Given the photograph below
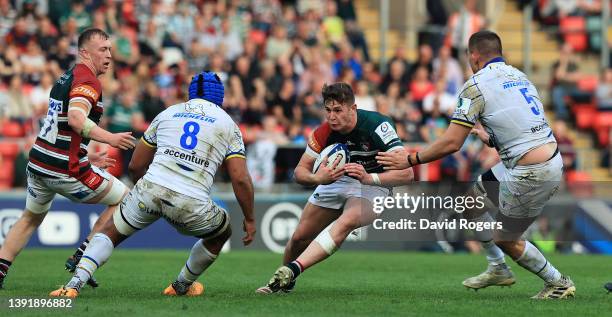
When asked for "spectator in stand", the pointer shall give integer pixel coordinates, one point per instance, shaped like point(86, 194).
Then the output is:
point(78, 13)
point(446, 68)
point(289, 21)
point(357, 39)
point(151, 102)
point(311, 110)
point(265, 14)
point(371, 76)
point(9, 63)
point(284, 106)
point(278, 44)
point(603, 93)
point(461, 25)
point(400, 55)
point(439, 99)
point(333, 25)
point(241, 81)
point(181, 27)
point(34, 63)
point(255, 112)
point(230, 41)
point(564, 81)
point(420, 86)
point(126, 52)
point(19, 35)
point(346, 10)
point(124, 113)
point(62, 59)
point(424, 59)
point(565, 144)
point(19, 107)
point(396, 74)
point(47, 35)
point(363, 98)
point(411, 124)
point(396, 102)
point(437, 19)
point(8, 15)
point(39, 97)
point(262, 152)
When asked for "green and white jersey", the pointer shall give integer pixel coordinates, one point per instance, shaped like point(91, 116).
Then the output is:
point(373, 133)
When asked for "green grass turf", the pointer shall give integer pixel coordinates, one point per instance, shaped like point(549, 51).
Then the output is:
point(349, 283)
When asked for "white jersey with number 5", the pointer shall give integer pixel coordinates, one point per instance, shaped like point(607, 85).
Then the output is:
point(509, 108)
point(192, 139)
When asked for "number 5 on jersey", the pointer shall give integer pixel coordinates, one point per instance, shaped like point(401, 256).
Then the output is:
point(189, 138)
point(529, 100)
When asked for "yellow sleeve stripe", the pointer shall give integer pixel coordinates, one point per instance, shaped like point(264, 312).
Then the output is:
point(235, 155)
point(147, 143)
point(463, 123)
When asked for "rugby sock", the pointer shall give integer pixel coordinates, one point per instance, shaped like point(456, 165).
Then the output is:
point(79, 252)
point(199, 260)
point(96, 254)
point(296, 267)
point(4, 267)
point(495, 256)
point(533, 260)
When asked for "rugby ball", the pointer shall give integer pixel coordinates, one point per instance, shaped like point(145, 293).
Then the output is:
point(333, 152)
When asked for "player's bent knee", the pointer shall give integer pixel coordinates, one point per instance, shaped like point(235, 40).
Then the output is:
point(324, 239)
point(121, 224)
point(37, 208)
point(33, 218)
point(115, 195)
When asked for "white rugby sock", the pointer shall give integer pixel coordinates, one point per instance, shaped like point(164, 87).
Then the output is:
point(495, 255)
point(199, 260)
point(97, 253)
point(533, 260)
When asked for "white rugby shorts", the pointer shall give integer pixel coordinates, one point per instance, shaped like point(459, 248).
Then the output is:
point(148, 201)
point(41, 190)
point(334, 195)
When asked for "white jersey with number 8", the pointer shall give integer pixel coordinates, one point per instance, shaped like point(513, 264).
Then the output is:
point(192, 139)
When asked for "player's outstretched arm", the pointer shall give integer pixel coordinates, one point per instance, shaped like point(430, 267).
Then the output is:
point(243, 189)
point(389, 178)
point(141, 159)
point(78, 121)
point(450, 142)
point(324, 175)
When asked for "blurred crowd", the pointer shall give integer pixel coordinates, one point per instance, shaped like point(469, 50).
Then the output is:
point(273, 56)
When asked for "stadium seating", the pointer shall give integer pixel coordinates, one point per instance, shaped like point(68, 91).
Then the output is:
point(12, 129)
point(573, 29)
point(8, 153)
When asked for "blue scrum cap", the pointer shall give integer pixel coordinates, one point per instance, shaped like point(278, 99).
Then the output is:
point(208, 86)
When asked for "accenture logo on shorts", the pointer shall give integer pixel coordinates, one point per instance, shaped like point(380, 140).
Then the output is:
point(278, 224)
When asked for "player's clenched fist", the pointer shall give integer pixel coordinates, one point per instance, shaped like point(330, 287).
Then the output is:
point(123, 141)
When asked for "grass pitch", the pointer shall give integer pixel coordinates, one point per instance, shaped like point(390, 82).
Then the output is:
point(349, 283)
